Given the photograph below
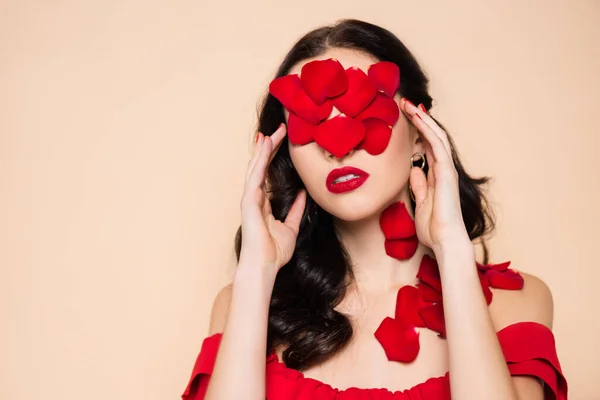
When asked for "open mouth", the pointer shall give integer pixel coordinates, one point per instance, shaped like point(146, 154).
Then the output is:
point(345, 179)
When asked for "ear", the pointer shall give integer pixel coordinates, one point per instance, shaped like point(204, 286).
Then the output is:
point(417, 140)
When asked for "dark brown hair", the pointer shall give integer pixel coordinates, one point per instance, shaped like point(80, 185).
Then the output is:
point(302, 317)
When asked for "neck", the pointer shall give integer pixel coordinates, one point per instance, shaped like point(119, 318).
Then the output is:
point(374, 270)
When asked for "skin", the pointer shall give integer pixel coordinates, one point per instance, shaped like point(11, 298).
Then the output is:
point(471, 351)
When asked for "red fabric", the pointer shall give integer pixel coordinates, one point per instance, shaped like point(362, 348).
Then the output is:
point(528, 347)
point(196, 388)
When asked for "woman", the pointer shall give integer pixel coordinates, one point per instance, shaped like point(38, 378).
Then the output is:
point(356, 212)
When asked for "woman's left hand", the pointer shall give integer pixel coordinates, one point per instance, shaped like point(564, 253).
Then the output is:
point(438, 215)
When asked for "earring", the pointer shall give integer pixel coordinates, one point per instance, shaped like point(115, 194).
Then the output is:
point(422, 159)
point(412, 165)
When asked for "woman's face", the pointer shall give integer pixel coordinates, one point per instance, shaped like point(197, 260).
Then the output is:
point(357, 198)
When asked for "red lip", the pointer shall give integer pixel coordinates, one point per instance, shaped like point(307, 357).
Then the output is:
point(346, 186)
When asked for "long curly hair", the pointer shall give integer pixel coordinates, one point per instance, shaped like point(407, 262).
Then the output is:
point(302, 317)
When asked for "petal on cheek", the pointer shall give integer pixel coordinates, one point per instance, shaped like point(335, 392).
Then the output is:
point(285, 89)
point(304, 107)
point(339, 135)
point(322, 79)
point(383, 108)
point(300, 132)
point(360, 93)
point(386, 76)
point(377, 136)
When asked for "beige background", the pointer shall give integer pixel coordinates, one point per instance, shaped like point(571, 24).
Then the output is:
point(124, 132)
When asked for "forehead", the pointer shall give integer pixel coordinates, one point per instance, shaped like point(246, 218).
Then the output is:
point(348, 58)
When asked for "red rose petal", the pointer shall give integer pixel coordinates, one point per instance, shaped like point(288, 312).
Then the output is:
point(509, 279)
point(482, 267)
point(285, 88)
point(377, 136)
point(386, 76)
point(360, 93)
point(383, 108)
point(396, 222)
point(323, 78)
point(304, 107)
point(299, 131)
point(500, 267)
point(401, 249)
point(339, 135)
point(399, 341)
point(433, 316)
point(429, 294)
point(485, 286)
point(407, 305)
point(429, 273)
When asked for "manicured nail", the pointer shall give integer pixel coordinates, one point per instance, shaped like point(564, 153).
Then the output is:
point(422, 107)
point(417, 115)
point(410, 102)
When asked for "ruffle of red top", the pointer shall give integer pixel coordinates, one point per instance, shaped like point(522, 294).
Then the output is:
point(529, 349)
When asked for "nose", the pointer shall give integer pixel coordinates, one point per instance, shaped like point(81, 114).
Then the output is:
point(331, 157)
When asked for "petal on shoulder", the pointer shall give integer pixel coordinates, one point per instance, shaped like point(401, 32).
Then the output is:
point(533, 303)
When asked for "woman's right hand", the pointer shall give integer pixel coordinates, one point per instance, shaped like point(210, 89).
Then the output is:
point(266, 241)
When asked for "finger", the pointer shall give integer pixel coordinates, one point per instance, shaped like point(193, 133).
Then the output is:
point(431, 178)
point(255, 153)
point(418, 184)
point(266, 207)
point(257, 175)
point(436, 128)
point(292, 220)
point(277, 138)
point(413, 113)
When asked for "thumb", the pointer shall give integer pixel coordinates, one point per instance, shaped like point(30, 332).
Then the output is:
point(418, 183)
point(296, 211)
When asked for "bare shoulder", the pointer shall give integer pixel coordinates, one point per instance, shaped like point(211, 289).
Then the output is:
point(220, 309)
point(533, 303)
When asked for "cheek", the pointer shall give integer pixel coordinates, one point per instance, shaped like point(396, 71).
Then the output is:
point(306, 162)
point(401, 142)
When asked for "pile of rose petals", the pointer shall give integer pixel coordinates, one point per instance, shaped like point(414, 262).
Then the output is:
point(365, 101)
point(422, 307)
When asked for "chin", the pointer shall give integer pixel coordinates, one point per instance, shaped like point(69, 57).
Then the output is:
point(353, 207)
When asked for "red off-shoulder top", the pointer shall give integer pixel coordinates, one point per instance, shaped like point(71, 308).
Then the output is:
point(528, 347)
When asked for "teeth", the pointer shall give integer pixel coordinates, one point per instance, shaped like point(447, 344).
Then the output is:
point(346, 178)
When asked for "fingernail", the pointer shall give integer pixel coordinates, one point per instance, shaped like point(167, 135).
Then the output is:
point(422, 107)
point(417, 115)
point(410, 102)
